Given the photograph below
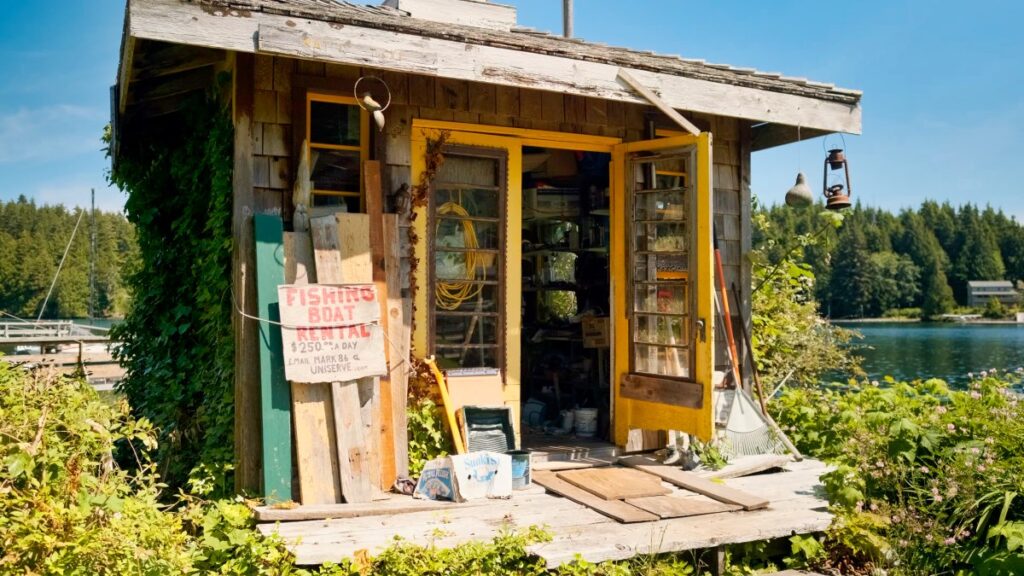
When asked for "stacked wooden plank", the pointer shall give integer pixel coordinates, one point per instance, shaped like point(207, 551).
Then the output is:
point(350, 439)
point(637, 493)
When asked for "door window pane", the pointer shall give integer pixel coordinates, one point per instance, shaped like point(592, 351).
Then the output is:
point(660, 238)
point(467, 237)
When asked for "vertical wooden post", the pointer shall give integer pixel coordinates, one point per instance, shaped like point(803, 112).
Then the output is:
point(375, 210)
point(247, 404)
point(275, 398)
point(398, 342)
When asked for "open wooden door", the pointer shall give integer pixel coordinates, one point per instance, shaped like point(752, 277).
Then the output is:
point(662, 286)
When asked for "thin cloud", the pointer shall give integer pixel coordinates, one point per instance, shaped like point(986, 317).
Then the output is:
point(49, 132)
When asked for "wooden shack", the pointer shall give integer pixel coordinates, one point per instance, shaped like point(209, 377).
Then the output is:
point(582, 184)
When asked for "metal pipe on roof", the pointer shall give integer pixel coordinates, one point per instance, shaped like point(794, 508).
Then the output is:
point(567, 18)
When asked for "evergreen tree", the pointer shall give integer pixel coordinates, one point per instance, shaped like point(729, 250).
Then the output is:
point(851, 283)
point(937, 296)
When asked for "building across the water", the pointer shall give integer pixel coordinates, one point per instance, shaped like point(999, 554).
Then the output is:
point(979, 292)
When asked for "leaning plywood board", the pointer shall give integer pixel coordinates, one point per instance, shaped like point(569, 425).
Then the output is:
point(695, 483)
point(377, 250)
point(615, 509)
point(677, 507)
point(312, 410)
point(357, 268)
point(350, 438)
point(615, 483)
point(275, 398)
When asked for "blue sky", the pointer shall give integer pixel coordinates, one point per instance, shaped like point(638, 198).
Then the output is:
point(943, 106)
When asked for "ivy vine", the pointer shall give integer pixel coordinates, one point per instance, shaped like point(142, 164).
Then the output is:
point(178, 346)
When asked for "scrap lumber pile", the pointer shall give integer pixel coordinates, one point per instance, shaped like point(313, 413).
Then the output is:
point(638, 493)
point(348, 438)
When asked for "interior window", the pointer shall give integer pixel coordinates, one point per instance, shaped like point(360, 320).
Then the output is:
point(338, 139)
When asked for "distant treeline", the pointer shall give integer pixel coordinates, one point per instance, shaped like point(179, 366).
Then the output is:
point(32, 240)
point(878, 261)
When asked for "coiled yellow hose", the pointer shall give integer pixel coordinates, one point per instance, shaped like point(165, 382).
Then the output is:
point(449, 295)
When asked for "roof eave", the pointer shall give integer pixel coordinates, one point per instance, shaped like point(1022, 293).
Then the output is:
point(285, 35)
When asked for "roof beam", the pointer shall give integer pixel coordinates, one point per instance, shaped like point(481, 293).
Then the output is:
point(658, 102)
point(188, 23)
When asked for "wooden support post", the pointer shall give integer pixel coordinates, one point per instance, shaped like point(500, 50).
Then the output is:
point(275, 399)
point(247, 396)
point(660, 104)
point(398, 342)
point(375, 211)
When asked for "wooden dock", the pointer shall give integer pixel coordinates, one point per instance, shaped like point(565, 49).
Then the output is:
point(797, 506)
point(66, 347)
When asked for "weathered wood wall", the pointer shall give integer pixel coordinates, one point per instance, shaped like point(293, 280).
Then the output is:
point(278, 87)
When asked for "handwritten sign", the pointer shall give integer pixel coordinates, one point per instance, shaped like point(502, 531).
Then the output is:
point(331, 333)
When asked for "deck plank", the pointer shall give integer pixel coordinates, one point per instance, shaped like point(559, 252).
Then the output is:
point(696, 483)
point(612, 508)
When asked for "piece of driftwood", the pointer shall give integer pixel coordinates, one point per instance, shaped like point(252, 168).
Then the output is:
point(615, 509)
point(615, 483)
point(695, 483)
point(679, 507)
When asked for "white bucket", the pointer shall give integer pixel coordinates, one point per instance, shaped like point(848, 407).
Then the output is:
point(586, 422)
point(567, 418)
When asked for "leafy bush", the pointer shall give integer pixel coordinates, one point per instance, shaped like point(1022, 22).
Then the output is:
point(791, 341)
point(178, 346)
point(428, 437)
point(926, 478)
point(65, 506)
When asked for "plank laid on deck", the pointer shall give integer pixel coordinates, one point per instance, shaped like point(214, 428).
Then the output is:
point(676, 507)
point(615, 509)
point(398, 505)
point(615, 483)
point(695, 483)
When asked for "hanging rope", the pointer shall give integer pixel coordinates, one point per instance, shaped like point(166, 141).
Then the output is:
point(451, 294)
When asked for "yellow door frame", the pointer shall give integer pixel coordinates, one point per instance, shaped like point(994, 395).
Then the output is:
point(632, 413)
point(511, 139)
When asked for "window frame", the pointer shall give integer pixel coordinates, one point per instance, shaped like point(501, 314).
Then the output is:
point(363, 148)
point(501, 157)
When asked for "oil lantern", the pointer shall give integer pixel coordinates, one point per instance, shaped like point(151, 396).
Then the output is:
point(836, 180)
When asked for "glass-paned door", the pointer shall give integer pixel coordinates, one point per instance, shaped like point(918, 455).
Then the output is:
point(662, 285)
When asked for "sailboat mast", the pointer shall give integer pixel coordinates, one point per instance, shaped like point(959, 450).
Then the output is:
point(92, 257)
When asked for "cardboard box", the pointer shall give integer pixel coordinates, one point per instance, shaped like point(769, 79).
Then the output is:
point(466, 477)
point(596, 332)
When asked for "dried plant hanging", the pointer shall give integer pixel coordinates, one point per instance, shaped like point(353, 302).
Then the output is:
point(434, 159)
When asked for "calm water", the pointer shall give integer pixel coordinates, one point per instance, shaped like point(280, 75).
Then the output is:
point(908, 351)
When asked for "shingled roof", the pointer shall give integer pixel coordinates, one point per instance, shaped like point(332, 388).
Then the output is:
point(530, 40)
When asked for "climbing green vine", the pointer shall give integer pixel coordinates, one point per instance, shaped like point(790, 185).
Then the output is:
point(177, 339)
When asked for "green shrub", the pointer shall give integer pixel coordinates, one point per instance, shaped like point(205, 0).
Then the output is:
point(65, 506)
point(926, 478)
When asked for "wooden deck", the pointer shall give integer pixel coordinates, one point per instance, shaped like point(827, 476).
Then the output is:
point(797, 506)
